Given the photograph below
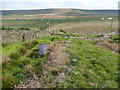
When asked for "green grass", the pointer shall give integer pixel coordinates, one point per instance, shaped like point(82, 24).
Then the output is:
point(20, 68)
point(7, 50)
point(116, 38)
point(33, 24)
point(93, 67)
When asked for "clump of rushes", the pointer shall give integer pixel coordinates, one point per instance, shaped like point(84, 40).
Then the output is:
point(28, 44)
point(9, 81)
point(5, 64)
point(24, 50)
point(26, 61)
point(34, 55)
point(15, 56)
point(34, 42)
point(4, 44)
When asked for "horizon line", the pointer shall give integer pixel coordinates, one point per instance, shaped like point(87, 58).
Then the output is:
point(58, 8)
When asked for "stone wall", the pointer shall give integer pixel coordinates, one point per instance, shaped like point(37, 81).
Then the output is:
point(9, 36)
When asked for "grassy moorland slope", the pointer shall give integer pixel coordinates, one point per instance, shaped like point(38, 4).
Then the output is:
point(88, 27)
point(83, 24)
point(88, 65)
point(71, 20)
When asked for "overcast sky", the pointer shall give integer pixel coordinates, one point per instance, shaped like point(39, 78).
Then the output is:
point(44, 4)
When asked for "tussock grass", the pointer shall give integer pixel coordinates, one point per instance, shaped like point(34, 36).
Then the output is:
point(24, 50)
point(15, 56)
point(5, 44)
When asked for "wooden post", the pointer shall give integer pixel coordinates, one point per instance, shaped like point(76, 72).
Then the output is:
point(111, 24)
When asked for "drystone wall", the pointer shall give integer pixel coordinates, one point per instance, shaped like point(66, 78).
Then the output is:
point(9, 36)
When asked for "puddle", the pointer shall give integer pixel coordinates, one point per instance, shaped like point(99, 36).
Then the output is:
point(42, 49)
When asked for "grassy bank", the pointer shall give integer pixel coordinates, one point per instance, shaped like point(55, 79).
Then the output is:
point(91, 66)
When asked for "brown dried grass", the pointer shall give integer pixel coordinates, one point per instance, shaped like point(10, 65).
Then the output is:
point(110, 44)
point(57, 58)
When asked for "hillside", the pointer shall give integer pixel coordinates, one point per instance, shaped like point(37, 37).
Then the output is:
point(60, 12)
point(69, 63)
point(70, 20)
point(59, 48)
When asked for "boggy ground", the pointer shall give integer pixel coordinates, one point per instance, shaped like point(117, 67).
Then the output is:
point(51, 70)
